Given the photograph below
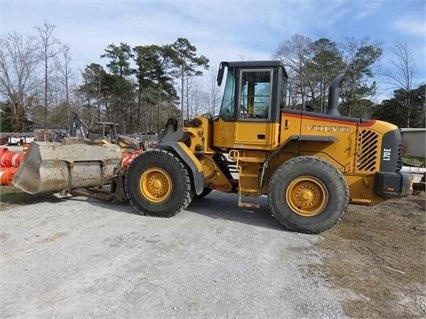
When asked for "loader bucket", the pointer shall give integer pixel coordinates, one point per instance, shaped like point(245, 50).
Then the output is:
point(51, 166)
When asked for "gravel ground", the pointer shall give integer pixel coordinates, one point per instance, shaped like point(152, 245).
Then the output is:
point(80, 258)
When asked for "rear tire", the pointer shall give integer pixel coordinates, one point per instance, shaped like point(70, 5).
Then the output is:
point(307, 194)
point(158, 184)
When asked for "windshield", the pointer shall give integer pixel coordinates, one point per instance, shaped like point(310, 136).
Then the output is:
point(227, 109)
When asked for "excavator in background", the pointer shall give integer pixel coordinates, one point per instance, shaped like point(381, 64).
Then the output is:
point(309, 165)
point(108, 134)
point(76, 125)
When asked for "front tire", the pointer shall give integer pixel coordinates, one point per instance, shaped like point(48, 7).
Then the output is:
point(307, 194)
point(158, 184)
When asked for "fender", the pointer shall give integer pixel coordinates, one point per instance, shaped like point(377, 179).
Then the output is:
point(190, 160)
point(315, 138)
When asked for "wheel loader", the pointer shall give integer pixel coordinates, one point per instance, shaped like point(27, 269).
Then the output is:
point(310, 166)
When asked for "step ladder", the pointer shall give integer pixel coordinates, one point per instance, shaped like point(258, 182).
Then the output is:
point(249, 201)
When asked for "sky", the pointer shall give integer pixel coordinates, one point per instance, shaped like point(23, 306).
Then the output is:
point(221, 30)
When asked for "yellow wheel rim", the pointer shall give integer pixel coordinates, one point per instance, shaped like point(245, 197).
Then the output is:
point(156, 184)
point(307, 196)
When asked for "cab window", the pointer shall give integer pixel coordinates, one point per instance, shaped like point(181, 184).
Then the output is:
point(255, 94)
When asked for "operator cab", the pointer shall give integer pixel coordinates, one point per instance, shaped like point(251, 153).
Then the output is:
point(253, 97)
point(254, 90)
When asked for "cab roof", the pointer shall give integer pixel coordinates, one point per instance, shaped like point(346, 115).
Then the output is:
point(255, 64)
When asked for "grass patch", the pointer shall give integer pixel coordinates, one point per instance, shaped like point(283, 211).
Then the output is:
point(11, 196)
point(414, 161)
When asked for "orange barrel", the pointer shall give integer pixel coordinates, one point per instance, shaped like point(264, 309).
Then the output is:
point(6, 175)
point(17, 159)
point(9, 159)
point(126, 158)
point(6, 158)
point(3, 150)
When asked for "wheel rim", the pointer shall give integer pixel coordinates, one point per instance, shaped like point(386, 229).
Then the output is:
point(307, 196)
point(156, 184)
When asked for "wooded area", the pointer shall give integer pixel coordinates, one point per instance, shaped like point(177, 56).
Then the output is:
point(140, 87)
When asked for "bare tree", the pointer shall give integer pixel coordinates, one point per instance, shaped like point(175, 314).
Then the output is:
point(195, 98)
point(294, 54)
point(402, 76)
point(47, 52)
point(213, 93)
point(404, 66)
point(360, 57)
point(62, 64)
point(18, 65)
point(188, 87)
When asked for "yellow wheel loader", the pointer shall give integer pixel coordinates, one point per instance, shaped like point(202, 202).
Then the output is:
point(309, 165)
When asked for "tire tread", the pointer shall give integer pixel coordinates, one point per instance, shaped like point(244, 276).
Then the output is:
point(182, 171)
point(316, 161)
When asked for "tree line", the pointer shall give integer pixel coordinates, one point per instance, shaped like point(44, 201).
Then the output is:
point(136, 89)
point(140, 87)
point(312, 65)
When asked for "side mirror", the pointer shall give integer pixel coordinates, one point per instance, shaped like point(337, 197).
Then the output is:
point(221, 71)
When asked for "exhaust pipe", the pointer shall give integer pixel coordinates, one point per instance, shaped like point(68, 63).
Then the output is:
point(333, 95)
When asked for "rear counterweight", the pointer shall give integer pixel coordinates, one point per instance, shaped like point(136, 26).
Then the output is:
point(389, 181)
point(390, 160)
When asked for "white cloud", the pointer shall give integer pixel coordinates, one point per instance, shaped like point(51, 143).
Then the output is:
point(220, 30)
point(411, 27)
point(368, 8)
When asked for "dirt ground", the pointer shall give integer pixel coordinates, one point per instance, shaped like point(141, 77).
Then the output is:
point(375, 256)
point(378, 255)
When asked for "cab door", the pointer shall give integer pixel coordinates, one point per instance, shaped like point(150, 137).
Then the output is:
point(254, 126)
